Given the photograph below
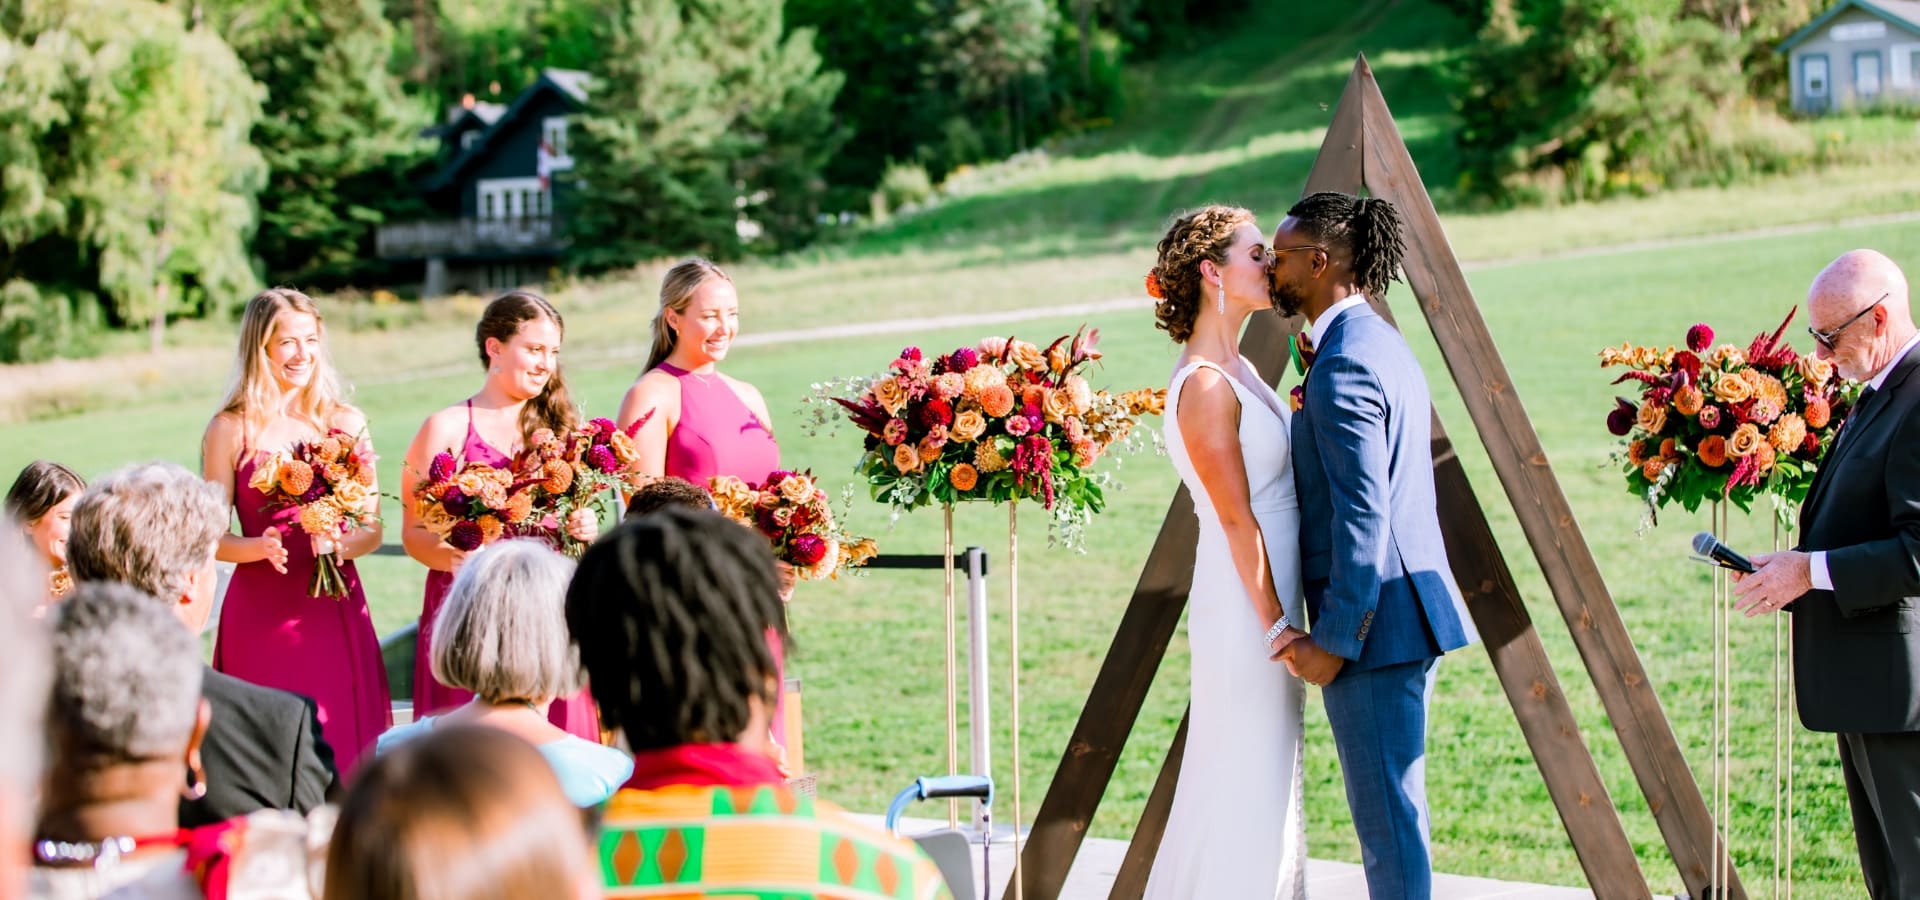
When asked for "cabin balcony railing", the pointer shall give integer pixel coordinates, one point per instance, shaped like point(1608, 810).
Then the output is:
point(470, 237)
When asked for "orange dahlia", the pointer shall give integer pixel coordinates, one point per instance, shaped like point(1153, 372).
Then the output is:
point(1713, 451)
point(963, 477)
point(997, 401)
point(1688, 400)
point(296, 477)
point(1819, 413)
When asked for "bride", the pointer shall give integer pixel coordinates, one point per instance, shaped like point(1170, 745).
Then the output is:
point(1236, 828)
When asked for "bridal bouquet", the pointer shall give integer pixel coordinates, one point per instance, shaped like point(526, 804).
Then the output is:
point(791, 512)
point(328, 480)
point(1002, 420)
point(473, 504)
point(1726, 422)
point(579, 469)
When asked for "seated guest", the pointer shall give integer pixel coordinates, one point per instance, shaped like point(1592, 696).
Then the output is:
point(469, 812)
point(502, 634)
point(154, 527)
point(23, 699)
point(124, 727)
point(665, 491)
point(41, 500)
point(671, 613)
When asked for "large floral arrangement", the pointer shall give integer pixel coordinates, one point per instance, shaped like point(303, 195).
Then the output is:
point(1002, 420)
point(328, 480)
point(1725, 423)
point(580, 469)
point(469, 504)
point(791, 512)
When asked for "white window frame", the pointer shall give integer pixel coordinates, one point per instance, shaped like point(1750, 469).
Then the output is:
point(1900, 68)
point(1848, 32)
point(1879, 76)
point(512, 198)
point(1806, 76)
point(553, 132)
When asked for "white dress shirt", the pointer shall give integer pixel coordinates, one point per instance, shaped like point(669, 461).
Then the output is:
point(1318, 327)
point(1817, 563)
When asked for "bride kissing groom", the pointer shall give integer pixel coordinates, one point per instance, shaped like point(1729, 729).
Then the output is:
point(1319, 559)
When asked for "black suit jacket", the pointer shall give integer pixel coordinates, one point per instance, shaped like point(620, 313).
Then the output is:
point(263, 751)
point(1857, 647)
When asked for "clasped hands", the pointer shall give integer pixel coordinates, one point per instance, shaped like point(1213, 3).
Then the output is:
point(1778, 579)
point(1304, 658)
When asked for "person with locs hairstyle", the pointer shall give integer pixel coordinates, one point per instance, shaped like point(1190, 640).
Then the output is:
point(273, 631)
point(1380, 594)
point(518, 339)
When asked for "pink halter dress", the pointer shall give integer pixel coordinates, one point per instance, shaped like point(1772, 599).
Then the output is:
point(575, 714)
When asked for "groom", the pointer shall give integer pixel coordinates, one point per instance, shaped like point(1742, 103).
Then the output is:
point(1380, 596)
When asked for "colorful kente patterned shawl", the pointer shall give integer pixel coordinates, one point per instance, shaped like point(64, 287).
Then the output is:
point(753, 842)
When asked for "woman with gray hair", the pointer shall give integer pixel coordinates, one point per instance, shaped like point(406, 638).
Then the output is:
point(125, 723)
point(502, 634)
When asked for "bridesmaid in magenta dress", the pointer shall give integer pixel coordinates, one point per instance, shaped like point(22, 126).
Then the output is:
point(519, 342)
point(704, 423)
point(272, 632)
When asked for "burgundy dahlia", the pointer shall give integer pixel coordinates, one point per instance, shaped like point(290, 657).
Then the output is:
point(807, 550)
point(1699, 338)
point(603, 429)
point(965, 358)
point(1810, 445)
point(1619, 422)
point(775, 477)
point(456, 502)
point(911, 354)
point(466, 535)
point(1685, 361)
point(934, 412)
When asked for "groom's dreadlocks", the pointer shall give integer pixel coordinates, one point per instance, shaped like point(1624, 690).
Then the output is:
point(1367, 228)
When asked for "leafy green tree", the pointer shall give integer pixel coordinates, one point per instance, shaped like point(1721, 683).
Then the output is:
point(335, 129)
point(699, 115)
point(128, 173)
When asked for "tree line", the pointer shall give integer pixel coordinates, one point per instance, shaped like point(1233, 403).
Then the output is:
point(164, 159)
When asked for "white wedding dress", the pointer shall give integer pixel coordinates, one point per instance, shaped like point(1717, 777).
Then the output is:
point(1236, 830)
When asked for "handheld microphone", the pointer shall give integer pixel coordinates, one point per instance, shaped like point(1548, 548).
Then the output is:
point(1722, 555)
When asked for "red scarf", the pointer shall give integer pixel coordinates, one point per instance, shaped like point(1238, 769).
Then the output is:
point(702, 765)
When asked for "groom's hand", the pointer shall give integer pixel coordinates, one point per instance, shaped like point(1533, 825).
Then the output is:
point(1311, 664)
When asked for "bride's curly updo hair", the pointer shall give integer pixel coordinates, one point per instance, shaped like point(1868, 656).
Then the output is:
point(1205, 233)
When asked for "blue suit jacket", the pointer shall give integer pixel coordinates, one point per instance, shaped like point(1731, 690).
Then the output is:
point(1379, 589)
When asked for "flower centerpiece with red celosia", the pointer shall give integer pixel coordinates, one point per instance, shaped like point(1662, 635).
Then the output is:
point(329, 480)
point(791, 512)
point(1725, 423)
point(1001, 421)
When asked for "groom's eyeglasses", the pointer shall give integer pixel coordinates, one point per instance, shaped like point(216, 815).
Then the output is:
point(1826, 338)
point(1273, 255)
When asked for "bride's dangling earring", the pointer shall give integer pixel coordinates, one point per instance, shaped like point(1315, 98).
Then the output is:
point(1221, 304)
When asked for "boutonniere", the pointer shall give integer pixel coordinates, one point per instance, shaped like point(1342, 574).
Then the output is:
point(1300, 350)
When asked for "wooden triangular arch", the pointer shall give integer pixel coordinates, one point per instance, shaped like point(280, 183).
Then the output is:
point(1363, 150)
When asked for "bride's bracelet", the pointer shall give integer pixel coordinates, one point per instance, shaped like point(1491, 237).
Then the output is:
point(1280, 625)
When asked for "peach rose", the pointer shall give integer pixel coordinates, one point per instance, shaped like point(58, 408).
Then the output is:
point(266, 473)
point(796, 488)
point(1763, 457)
point(1713, 451)
point(1730, 387)
point(1819, 413)
point(1746, 439)
point(1652, 417)
point(1080, 393)
point(906, 458)
point(1057, 406)
point(963, 477)
point(1787, 433)
point(891, 396)
point(1688, 400)
point(351, 494)
point(1816, 371)
point(1727, 355)
point(1026, 356)
point(969, 425)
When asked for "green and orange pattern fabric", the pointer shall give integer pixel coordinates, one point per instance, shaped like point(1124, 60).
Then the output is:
point(754, 842)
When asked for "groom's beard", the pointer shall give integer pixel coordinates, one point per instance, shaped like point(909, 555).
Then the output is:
point(1285, 298)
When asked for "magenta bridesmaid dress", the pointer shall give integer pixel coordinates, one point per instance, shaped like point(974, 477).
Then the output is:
point(719, 435)
point(575, 714)
point(273, 633)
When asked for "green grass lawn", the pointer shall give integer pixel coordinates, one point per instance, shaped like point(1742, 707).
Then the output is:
point(869, 645)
